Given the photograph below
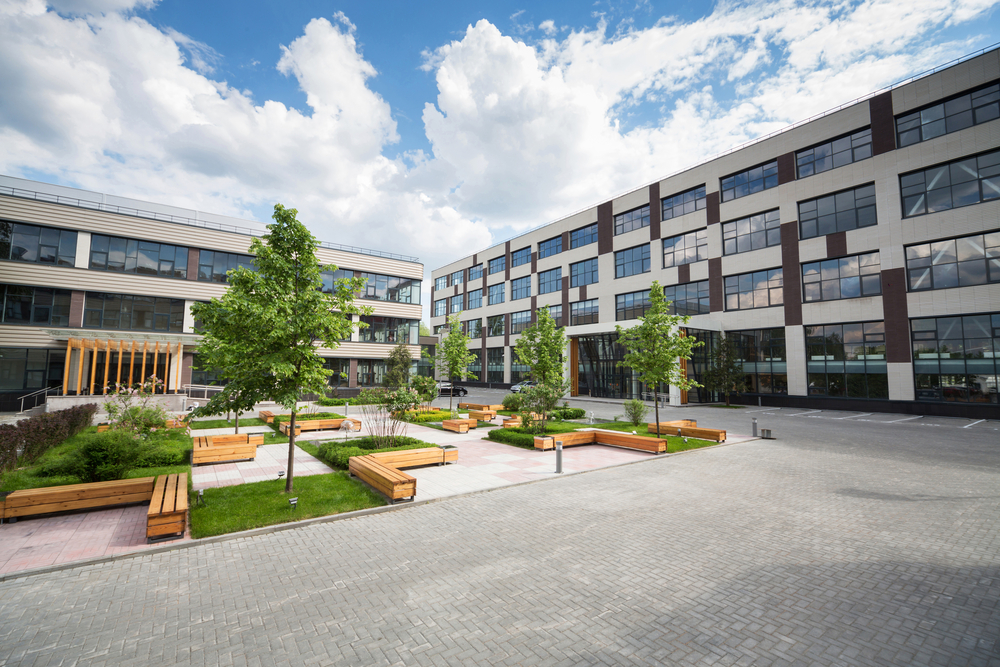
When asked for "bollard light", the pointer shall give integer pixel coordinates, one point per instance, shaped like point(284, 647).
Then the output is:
point(754, 427)
point(201, 496)
point(559, 456)
point(293, 502)
point(281, 473)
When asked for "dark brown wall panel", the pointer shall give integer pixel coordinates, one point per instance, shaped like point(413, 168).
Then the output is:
point(565, 299)
point(786, 168)
point(193, 256)
point(716, 297)
point(534, 262)
point(883, 123)
point(836, 244)
point(605, 229)
point(187, 365)
point(455, 289)
point(896, 315)
point(506, 263)
point(655, 209)
point(565, 242)
point(352, 374)
point(583, 293)
point(534, 309)
point(76, 301)
point(482, 361)
point(683, 274)
point(506, 330)
point(790, 266)
point(712, 208)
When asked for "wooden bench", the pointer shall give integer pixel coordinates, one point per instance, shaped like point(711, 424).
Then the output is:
point(596, 437)
point(381, 469)
point(411, 458)
point(459, 425)
point(483, 415)
point(318, 425)
point(28, 502)
point(168, 506)
point(515, 420)
point(687, 428)
point(266, 416)
point(479, 406)
point(221, 448)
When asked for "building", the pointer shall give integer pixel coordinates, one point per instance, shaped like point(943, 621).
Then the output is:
point(97, 289)
point(853, 258)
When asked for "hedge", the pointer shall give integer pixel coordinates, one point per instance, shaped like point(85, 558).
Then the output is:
point(512, 436)
point(337, 454)
point(306, 416)
point(36, 435)
point(569, 413)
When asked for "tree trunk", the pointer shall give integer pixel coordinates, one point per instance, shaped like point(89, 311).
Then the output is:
point(656, 407)
point(451, 397)
point(291, 454)
point(237, 422)
point(727, 399)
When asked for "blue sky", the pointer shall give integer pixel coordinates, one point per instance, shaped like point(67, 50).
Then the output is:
point(432, 129)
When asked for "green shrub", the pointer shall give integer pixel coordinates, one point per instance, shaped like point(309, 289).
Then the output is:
point(635, 411)
point(107, 456)
point(337, 453)
point(569, 413)
point(305, 416)
point(513, 402)
point(330, 402)
point(421, 417)
point(512, 436)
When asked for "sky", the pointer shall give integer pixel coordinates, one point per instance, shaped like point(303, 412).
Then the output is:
point(432, 129)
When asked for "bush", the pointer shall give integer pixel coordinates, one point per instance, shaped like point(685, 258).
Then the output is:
point(337, 454)
point(569, 413)
point(330, 402)
point(513, 402)
point(107, 456)
point(436, 416)
point(28, 439)
point(306, 416)
point(635, 411)
point(512, 436)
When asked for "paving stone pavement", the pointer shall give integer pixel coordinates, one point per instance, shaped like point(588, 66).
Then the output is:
point(761, 553)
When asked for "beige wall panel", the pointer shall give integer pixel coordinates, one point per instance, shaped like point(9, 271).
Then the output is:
point(757, 260)
point(795, 354)
point(955, 301)
point(684, 224)
point(900, 377)
point(105, 281)
point(370, 263)
point(82, 250)
point(21, 336)
point(813, 249)
point(366, 351)
point(751, 204)
point(699, 271)
point(627, 202)
point(865, 309)
point(392, 309)
point(947, 82)
point(636, 237)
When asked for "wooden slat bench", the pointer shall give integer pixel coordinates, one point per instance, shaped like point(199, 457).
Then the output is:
point(483, 415)
point(221, 448)
point(266, 416)
point(596, 437)
point(318, 425)
point(459, 425)
point(411, 458)
point(28, 502)
point(479, 406)
point(381, 469)
point(168, 506)
point(688, 428)
point(515, 420)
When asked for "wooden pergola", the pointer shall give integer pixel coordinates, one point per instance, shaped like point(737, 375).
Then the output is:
point(123, 347)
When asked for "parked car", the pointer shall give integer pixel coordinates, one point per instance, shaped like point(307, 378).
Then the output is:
point(445, 389)
point(521, 386)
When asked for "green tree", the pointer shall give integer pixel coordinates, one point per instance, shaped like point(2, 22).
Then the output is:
point(262, 334)
point(397, 367)
point(426, 387)
point(425, 330)
point(726, 374)
point(655, 346)
point(540, 347)
point(453, 356)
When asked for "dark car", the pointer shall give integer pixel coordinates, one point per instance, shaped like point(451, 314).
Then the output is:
point(445, 389)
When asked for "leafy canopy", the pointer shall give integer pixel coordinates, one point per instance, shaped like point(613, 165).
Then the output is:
point(453, 355)
point(540, 347)
point(726, 374)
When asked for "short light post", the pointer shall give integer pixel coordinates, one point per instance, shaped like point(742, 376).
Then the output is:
point(558, 457)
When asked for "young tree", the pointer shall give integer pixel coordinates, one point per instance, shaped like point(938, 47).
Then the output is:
point(426, 388)
point(655, 347)
point(397, 367)
point(453, 357)
point(425, 330)
point(262, 334)
point(726, 374)
point(540, 347)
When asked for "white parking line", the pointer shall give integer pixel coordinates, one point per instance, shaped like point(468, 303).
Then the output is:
point(905, 420)
point(762, 410)
point(974, 423)
point(863, 414)
point(808, 412)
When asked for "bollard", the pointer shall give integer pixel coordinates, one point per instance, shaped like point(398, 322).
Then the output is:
point(755, 427)
point(558, 456)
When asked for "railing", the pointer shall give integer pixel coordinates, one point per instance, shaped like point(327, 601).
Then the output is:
point(34, 396)
point(203, 388)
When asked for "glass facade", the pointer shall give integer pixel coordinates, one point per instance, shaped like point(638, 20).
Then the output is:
point(494, 364)
point(583, 273)
point(113, 253)
point(474, 328)
point(213, 265)
point(751, 233)
point(631, 306)
point(599, 374)
point(371, 372)
point(583, 236)
point(38, 306)
point(379, 287)
point(963, 182)
point(24, 370)
point(756, 179)
point(685, 248)
point(630, 220)
point(837, 153)
point(518, 371)
point(476, 366)
point(31, 243)
point(969, 260)
point(762, 352)
point(844, 278)
point(683, 203)
point(958, 113)
point(760, 289)
point(955, 358)
point(839, 212)
point(689, 299)
point(495, 325)
point(847, 360)
point(134, 313)
point(391, 330)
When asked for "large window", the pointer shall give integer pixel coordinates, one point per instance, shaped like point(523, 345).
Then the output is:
point(520, 321)
point(844, 278)
point(371, 372)
point(839, 212)
point(958, 113)
point(455, 305)
point(684, 202)
point(759, 289)
point(847, 360)
point(518, 371)
point(583, 236)
point(40, 306)
point(475, 298)
point(583, 273)
point(632, 261)
point(519, 257)
point(550, 281)
point(685, 248)
point(751, 233)
point(960, 183)
point(476, 272)
point(496, 294)
point(970, 260)
point(474, 328)
point(520, 288)
point(494, 364)
point(762, 352)
point(113, 253)
point(631, 306)
point(440, 283)
point(213, 265)
point(494, 325)
point(456, 277)
point(756, 179)
point(689, 299)
point(135, 313)
point(392, 330)
point(28, 369)
point(955, 358)
point(557, 315)
point(440, 307)
point(476, 366)
point(30, 243)
point(583, 312)
point(634, 219)
point(498, 264)
point(377, 287)
point(837, 153)
point(550, 247)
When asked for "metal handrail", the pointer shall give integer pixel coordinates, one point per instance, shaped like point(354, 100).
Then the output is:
point(44, 390)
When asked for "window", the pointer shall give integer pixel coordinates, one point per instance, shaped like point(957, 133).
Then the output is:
point(952, 115)
point(371, 372)
point(689, 299)
point(377, 286)
point(496, 294)
point(955, 358)
point(953, 185)
point(475, 298)
point(456, 277)
point(970, 260)
point(440, 283)
point(390, 330)
point(759, 289)
point(494, 364)
point(632, 261)
point(583, 273)
point(475, 366)
point(837, 153)
point(498, 265)
point(455, 304)
point(631, 306)
point(762, 352)
point(748, 182)
point(550, 247)
point(520, 288)
point(494, 325)
point(519, 257)
point(550, 281)
point(634, 219)
point(583, 236)
point(473, 328)
point(844, 278)
point(685, 249)
point(683, 203)
point(30, 368)
point(847, 360)
point(113, 253)
point(476, 272)
point(520, 321)
point(752, 233)
point(213, 266)
point(518, 371)
point(44, 245)
point(40, 306)
point(583, 312)
point(557, 315)
point(441, 308)
point(135, 313)
point(839, 212)
point(440, 328)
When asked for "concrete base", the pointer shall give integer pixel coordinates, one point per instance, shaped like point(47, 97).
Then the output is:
point(170, 402)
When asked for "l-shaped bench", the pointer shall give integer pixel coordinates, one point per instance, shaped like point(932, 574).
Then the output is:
point(381, 470)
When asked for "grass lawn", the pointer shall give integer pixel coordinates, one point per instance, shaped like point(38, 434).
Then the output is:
point(304, 416)
point(225, 423)
point(276, 439)
point(233, 508)
point(674, 444)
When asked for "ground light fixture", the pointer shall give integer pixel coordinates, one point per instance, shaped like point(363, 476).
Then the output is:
point(293, 502)
point(281, 473)
point(201, 496)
